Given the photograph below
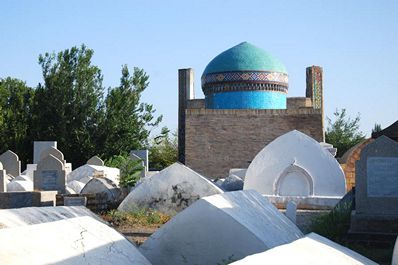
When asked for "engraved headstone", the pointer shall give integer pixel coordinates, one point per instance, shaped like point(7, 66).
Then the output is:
point(11, 163)
point(75, 201)
point(376, 196)
point(95, 161)
point(39, 147)
point(50, 175)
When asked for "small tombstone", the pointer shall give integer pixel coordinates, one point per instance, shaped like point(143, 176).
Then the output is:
point(291, 211)
point(11, 163)
point(3, 179)
point(376, 192)
point(75, 201)
point(134, 157)
point(142, 154)
point(39, 147)
point(50, 175)
point(54, 152)
point(95, 161)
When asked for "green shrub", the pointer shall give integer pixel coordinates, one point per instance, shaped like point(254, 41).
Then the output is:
point(130, 170)
point(335, 224)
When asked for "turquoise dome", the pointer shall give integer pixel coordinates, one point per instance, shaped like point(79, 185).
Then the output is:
point(244, 57)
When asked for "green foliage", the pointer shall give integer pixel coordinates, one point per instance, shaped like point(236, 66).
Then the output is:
point(163, 150)
point(335, 224)
point(130, 170)
point(15, 117)
point(343, 132)
point(376, 128)
point(128, 121)
point(68, 107)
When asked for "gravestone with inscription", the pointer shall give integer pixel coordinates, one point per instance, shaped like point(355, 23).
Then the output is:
point(376, 196)
point(50, 175)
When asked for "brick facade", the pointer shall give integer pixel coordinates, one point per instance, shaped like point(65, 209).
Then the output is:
point(217, 140)
point(348, 162)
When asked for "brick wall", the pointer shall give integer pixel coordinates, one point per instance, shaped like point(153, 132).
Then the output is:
point(348, 162)
point(217, 140)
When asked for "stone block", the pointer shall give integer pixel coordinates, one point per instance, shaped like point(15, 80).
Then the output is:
point(39, 147)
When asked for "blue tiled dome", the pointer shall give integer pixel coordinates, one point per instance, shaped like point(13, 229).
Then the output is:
point(244, 57)
point(245, 77)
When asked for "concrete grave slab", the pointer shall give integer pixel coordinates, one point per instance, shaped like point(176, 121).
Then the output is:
point(11, 163)
point(219, 229)
point(80, 240)
point(295, 167)
point(312, 249)
point(108, 190)
point(76, 185)
point(170, 191)
point(19, 199)
point(36, 215)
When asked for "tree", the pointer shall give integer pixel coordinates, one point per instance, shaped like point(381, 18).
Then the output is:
point(163, 151)
point(128, 122)
point(343, 132)
point(68, 107)
point(130, 170)
point(376, 128)
point(15, 108)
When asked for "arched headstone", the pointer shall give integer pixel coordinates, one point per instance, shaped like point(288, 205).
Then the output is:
point(95, 161)
point(11, 163)
point(54, 152)
point(50, 175)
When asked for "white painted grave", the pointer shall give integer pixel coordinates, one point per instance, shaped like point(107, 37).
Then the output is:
point(219, 229)
point(170, 191)
point(80, 240)
point(36, 215)
point(312, 249)
point(295, 167)
point(85, 171)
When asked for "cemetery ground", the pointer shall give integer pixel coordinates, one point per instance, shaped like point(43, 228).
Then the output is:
point(138, 225)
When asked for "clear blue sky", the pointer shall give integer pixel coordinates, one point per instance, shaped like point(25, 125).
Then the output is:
point(356, 43)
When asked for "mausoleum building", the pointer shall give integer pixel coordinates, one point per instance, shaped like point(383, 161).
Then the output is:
point(245, 108)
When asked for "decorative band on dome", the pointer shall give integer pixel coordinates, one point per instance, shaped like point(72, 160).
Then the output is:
point(245, 76)
point(229, 87)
